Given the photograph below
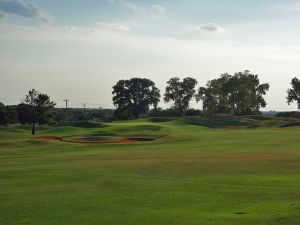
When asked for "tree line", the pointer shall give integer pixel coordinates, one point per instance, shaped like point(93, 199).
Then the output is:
point(237, 94)
point(38, 108)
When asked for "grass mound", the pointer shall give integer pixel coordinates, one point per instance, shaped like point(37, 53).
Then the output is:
point(88, 125)
point(160, 119)
point(139, 128)
point(215, 121)
point(290, 124)
point(91, 138)
point(227, 121)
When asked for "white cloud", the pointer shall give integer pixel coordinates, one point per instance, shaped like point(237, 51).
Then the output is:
point(128, 5)
point(158, 8)
point(113, 26)
point(24, 9)
point(210, 27)
point(292, 7)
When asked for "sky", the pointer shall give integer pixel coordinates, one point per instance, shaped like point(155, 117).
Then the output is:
point(78, 49)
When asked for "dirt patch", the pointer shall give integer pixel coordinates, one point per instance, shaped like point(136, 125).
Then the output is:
point(125, 142)
point(49, 138)
point(120, 142)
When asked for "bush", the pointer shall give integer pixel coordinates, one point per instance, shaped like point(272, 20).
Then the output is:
point(288, 114)
point(174, 113)
point(164, 113)
point(194, 112)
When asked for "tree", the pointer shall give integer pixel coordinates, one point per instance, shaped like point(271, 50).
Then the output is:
point(2, 114)
point(45, 113)
point(135, 96)
point(215, 95)
point(239, 94)
point(180, 92)
point(40, 105)
point(294, 92)
point(24, 113)
point(11, 114)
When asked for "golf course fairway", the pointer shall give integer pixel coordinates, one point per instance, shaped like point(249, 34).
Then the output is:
point(185, 171)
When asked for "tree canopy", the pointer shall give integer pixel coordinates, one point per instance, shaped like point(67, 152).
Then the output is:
point(294, 92)
point(2, 114)
point(240, 93)
point(135, 96)
point(41, 107)
point(180, 92)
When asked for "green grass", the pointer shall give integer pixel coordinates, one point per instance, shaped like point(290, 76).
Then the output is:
point(198, 171)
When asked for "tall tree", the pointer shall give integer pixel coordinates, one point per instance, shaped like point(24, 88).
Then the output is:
point(30, 100)
point(45, 112)
point(40, 105)
point(135, 96)
point(241, 93)
point(180, 92)
point(2, 114)
point(294, 92)
point(215, 95)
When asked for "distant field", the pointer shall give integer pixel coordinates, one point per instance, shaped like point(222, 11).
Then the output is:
point(185, 171)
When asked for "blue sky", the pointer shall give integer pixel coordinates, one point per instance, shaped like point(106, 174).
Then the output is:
point(78, 49)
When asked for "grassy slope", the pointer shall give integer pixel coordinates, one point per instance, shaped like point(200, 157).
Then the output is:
point(190, 175)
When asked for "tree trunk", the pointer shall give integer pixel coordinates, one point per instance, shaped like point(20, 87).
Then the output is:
point(182, 112)
point(136, 115)
point(33, 121)
point(135, 111)
point(5, 118)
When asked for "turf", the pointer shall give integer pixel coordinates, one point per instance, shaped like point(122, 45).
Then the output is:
point(198, 171)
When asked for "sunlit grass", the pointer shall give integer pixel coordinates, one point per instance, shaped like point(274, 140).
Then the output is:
point(190, 174)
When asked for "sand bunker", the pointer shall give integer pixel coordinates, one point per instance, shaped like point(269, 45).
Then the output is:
point(49, 138)
point(120, 142)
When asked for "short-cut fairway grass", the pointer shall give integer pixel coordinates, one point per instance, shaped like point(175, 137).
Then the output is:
point(191, 175)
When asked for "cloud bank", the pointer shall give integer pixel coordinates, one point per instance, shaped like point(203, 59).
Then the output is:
point(24, 9)
point(90, 56)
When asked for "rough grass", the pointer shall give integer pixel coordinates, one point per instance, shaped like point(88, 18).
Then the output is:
point(190, 175)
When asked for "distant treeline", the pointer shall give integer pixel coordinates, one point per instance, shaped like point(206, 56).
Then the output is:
point(22, 114)
point(237, 94)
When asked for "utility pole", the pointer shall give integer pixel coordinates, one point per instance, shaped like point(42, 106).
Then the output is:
point(66, 101)
point(66, 113)
point(84, 106)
